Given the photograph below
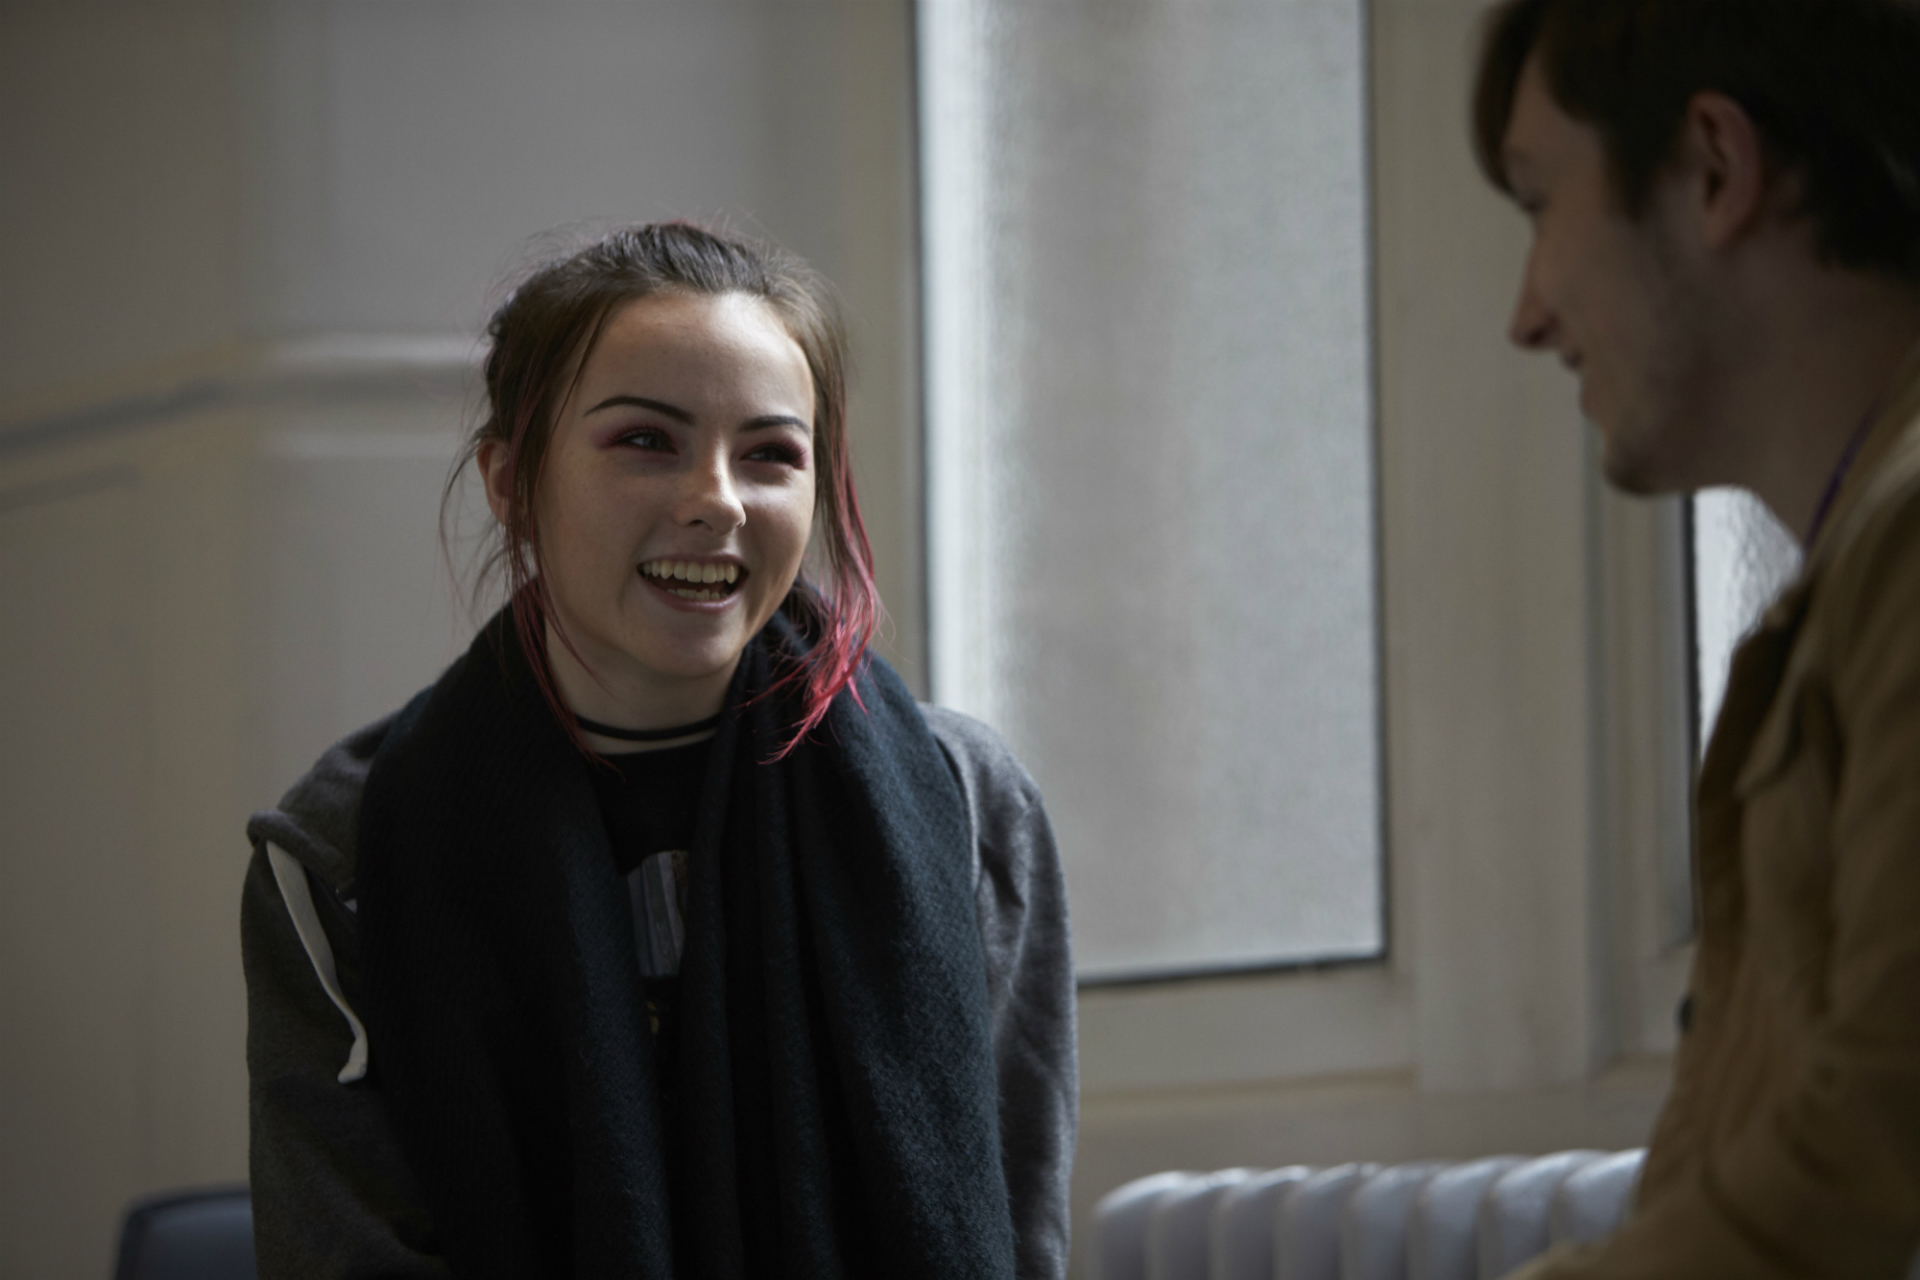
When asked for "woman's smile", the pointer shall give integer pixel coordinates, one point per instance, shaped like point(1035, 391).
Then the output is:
point(694, 582)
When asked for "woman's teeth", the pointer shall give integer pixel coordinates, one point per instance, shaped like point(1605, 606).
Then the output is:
point(703, 581)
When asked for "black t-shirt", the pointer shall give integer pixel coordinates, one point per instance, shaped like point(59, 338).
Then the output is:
point(649, 801)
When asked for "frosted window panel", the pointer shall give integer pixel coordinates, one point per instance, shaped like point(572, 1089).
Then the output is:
point(1150, 468)
point(1742, 558)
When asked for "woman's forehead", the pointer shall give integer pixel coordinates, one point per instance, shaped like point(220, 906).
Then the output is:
point(713, 342)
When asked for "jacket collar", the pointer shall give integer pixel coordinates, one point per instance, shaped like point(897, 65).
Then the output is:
point(1889, 458)
point(1888, 455)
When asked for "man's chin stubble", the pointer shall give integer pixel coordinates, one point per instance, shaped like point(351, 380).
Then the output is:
point(1629, 472)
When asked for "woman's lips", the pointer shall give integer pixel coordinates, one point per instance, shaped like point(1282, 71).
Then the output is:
point(695, 581)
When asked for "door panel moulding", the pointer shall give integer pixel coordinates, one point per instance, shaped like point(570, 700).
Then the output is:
point(327, 367)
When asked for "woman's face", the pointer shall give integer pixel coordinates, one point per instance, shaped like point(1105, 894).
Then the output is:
point(675, 502)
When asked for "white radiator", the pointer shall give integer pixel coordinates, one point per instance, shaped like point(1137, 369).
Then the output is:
point(1434, 1220)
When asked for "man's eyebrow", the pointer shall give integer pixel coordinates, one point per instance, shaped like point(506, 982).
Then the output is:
point(673, 411)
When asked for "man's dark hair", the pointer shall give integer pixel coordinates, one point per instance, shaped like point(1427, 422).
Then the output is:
point(1832, 85)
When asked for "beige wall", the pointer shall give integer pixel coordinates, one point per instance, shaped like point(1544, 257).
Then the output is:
point(245, 251)
point(120, 149)
point(254, 244)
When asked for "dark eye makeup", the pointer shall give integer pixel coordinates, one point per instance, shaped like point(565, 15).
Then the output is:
point(789, 454)
point(645, 438)
point(660, 440)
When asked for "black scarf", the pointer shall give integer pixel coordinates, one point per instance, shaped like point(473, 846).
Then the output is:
point(836, 1109)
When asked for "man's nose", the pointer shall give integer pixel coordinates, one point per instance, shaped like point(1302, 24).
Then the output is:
point(1532, 324)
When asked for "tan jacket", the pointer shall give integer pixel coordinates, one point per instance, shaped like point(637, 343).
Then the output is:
point(1790, 1144)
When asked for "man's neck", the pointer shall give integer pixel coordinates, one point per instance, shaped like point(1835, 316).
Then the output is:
point(1820, 360)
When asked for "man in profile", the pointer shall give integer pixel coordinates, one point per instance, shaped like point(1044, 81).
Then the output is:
point(1725, 199)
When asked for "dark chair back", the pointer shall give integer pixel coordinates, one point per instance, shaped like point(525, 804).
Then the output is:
point(188, 1235)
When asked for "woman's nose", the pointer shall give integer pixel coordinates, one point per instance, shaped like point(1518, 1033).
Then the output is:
point(708, 497)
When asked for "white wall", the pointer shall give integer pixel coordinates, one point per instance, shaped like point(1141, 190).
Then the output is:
point(245, 248)
point(245, 253)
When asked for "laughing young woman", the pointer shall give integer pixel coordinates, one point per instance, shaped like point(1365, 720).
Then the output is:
point(664, 935)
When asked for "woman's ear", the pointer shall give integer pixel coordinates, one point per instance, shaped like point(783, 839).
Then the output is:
point(497, 476)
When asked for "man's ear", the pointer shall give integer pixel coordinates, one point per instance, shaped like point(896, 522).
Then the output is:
point(496, 475)
point(1724, 162)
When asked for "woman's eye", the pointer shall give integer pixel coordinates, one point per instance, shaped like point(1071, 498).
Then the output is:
point(647, 438)
point(786, 454)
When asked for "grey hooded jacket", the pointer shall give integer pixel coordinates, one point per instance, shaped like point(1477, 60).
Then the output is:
point(332, 1194)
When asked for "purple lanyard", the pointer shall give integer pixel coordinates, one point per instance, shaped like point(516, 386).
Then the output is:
point(1840, 470)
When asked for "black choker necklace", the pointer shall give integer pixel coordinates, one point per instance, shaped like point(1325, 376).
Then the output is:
point(649, 735)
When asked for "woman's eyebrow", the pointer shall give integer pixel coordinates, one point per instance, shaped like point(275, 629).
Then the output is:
point(658, 406)
point(765, 421)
